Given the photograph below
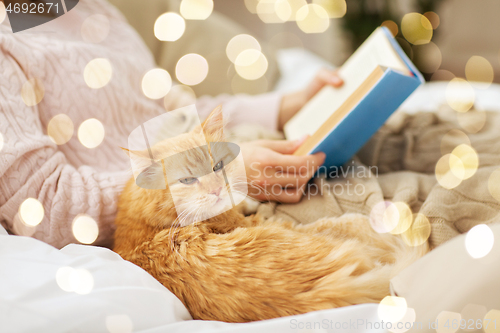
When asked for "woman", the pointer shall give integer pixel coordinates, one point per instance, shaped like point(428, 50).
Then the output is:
point(70, 179)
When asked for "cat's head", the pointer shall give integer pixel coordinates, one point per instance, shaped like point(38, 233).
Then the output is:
point(186, 177)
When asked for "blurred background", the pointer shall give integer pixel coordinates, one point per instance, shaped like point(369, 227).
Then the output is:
point(240, 40)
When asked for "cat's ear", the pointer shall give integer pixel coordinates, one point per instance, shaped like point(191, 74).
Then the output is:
point(148, 174)
point(213, 126)
point(139, 159)
point(137, 155)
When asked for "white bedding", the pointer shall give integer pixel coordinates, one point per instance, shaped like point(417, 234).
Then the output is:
point(124, 298)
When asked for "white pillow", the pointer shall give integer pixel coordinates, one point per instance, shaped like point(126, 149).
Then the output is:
point(449, 279)
point(123, 297)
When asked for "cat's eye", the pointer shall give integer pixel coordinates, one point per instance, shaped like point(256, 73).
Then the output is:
point(188, 181)
point(218, 166)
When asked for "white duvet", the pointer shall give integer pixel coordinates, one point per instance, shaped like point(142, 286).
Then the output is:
point(119, 296)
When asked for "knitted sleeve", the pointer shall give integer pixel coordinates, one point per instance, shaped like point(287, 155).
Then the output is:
point(31, 166)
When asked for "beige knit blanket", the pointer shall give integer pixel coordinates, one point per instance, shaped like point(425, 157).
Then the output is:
point(402, 157)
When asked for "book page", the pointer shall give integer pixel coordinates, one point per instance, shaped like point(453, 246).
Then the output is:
point(375, 51)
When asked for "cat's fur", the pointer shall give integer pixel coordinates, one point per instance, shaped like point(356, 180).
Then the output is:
point(238, 269)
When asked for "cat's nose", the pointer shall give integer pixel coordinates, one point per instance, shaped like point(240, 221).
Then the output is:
point(217, 191)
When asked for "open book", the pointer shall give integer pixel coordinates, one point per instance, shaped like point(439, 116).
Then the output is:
point(378, 78)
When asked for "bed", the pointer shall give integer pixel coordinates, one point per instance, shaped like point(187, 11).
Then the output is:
point(38, 295)
point(91, 289)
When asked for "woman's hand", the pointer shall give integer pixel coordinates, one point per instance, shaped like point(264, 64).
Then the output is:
point(293, 102)
point(274, 173)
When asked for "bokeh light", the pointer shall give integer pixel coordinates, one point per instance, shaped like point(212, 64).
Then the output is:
point(416, 28)
point(448, 317)
point(479, 72)
point(32, 92)
point(85, 229)
point(334, 8)
point(191, 69)
point(178, 97)
point(169, 27)
point(1, 141)
point(452, 139)
point(312, 19)
point(91, 133)
point(98, 73)
point(295, 5)
point(442, 75)
point(95, 28)
point(397, 218)
point(283, 10)
point(409, 317)
point(469, 159)
point(472, 121)
point(445, 176)
point(81, 281)
point(119, 324)
point(392, 26)
point(240, 43)
point(247, 57)
point(196, 9)
point(60, 129)
point(3, 13)
point(63, 278)
point(494, 184)
point(31, 212)
point(427, 57)
point(377, 215)
point(475, 313)
point(251, 64)
point(267, 10)
point(390, 217)
point(433, 19)
point(460, 95)
point(252, 5)
point(392, 309)
point(156, 83)
point(419, 231)
point(479, 241)
point(493, 316)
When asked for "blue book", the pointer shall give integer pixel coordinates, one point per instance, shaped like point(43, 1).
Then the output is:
point(378, 78)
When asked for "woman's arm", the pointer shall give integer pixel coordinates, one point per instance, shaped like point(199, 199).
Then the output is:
point(271, 110)
point(273, 172)
point(32, 166)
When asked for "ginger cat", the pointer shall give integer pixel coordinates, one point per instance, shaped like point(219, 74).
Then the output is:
point(239, 269)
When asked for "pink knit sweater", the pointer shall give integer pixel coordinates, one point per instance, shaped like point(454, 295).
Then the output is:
point(70, 179)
